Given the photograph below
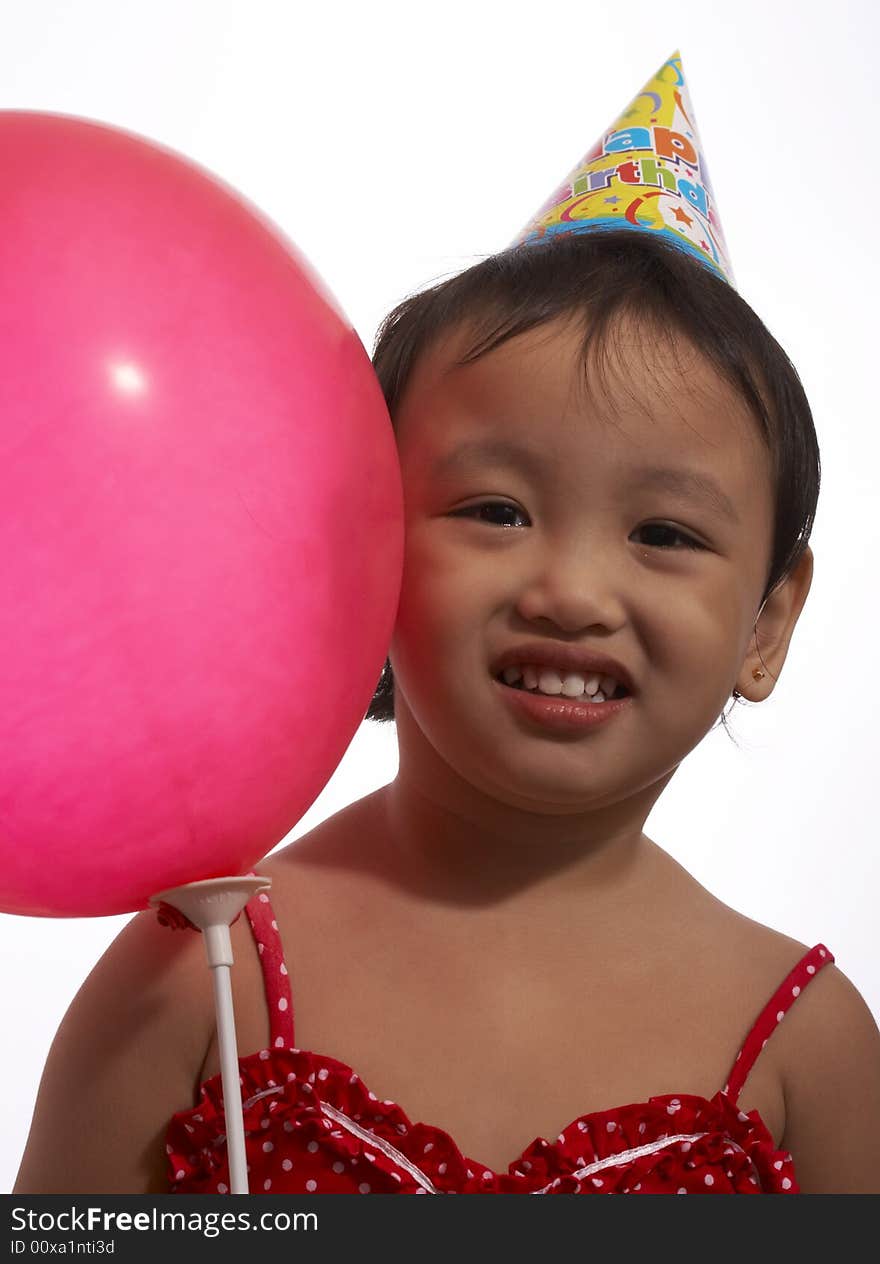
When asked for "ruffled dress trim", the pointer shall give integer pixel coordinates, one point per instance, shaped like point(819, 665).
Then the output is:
point(347, 1139)
point(672, 1143)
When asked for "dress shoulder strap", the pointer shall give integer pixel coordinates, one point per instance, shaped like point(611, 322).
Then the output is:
point(276, 980)
point(772, 1015)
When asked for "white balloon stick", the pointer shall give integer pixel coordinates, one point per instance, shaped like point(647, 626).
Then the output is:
point(212, 905)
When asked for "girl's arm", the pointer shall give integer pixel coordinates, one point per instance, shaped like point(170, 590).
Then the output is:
point(126, 1057)
point(831, 1081)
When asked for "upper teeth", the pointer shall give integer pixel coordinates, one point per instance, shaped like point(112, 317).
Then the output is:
point(571, 684)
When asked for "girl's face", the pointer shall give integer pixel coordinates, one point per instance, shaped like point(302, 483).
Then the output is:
point(578, 545)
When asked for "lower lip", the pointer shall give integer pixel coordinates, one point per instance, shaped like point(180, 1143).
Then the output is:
point(562, 714)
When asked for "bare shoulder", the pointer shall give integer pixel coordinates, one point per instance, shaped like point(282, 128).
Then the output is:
point(126, 1053)
point(763, 959)
point(133, 1046)
point(319, 887)
point(768, 952)
point(832, 1088)
point(827, 1056)
point(752, 957)
point(333, 864)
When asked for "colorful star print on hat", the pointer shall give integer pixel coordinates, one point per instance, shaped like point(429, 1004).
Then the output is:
point(647, 172)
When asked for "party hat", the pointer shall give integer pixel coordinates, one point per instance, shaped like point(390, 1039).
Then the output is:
point(647, 172)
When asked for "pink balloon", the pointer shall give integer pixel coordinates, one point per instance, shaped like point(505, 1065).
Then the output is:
point(201, 528)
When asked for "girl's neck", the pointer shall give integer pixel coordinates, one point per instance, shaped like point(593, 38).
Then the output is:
point(468, 854)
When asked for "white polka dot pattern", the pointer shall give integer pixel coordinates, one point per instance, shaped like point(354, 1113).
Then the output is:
point(773, 1014)
point(312, 1125)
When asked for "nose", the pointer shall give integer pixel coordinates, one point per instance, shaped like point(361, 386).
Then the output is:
point(575, 584)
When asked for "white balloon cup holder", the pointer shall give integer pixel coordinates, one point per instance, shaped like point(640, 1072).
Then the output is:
point(212, 905)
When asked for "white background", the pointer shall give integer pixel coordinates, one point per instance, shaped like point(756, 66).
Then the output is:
point(397, 143)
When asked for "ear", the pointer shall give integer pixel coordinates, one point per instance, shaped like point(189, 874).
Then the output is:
point(774, 629)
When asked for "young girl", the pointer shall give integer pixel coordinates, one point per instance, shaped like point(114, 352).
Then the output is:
point(485, 977)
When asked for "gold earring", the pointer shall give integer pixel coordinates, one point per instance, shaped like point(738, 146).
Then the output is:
point(757, 675)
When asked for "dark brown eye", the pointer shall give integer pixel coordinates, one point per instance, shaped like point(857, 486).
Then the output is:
point(689, 541)
point(499, 507)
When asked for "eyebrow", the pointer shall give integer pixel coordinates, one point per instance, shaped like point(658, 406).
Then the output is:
point(687, 484)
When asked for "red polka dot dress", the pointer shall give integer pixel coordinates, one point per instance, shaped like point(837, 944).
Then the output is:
point(312, 1126)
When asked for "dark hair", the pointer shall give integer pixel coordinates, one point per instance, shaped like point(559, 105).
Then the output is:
point(602, 275)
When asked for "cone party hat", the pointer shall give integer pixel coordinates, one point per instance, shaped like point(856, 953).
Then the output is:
point(647, 172)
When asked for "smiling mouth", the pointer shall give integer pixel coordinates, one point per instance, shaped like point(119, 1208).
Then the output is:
point(619, 692)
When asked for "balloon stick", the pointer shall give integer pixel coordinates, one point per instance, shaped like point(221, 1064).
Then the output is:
point(212, 905)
